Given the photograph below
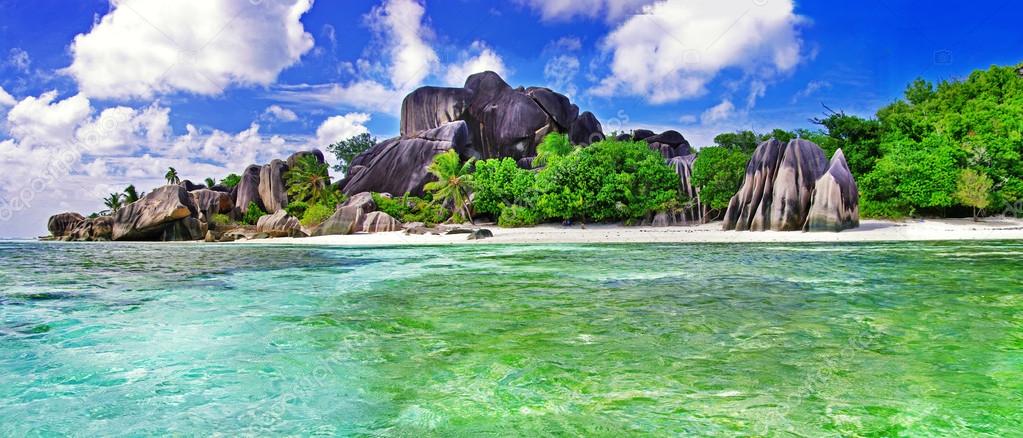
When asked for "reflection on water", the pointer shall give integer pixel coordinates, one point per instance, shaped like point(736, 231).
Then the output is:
point(868, 339)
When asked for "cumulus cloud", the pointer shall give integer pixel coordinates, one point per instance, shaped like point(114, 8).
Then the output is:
point(148, 47)
point(675, 48)
point(6, 99)
point(559, 10)
point(46, 121)
point(560, 73)
point(477, 59)
point(400, 23)
point(718, 113)
point(276, 112)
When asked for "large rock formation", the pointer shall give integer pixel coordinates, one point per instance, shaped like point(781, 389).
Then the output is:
point(279, 224)
point(93, 229)
point(486, 118)
point(693, 213)
point(272, 190)
point(247, 190)
point(60, 225)
point(778, 190)
point(345, 220)
point(379, 222)
point(167, 213)
point(210, 202)
point(835, 202)
point(399, 165)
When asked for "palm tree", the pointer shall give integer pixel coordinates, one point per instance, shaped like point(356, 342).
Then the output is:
point(553, 145)
point(210, 182)
point(131, 195)
point(309, 181)
point(454, 181)
point(172, 176)
point(113, 202)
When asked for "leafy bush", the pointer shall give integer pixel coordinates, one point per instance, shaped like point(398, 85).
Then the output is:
point(231, 180)
point(553, 145)
point(411, 209)
point(911, 179)
point(221, 220)
point(297, 208)
point(346, 150)
point(500, 183)
point(718, 173)
point(316, 214)
point(252, 214)
point(609, 180)
point(518, 216)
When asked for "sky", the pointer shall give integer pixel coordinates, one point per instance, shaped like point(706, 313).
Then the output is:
point(97, 94)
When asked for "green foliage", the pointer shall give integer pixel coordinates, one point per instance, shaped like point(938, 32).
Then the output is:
point(309, 181)
point(500, 183)
point(316, 214)
point(973, 189)
point(411, 209)
point(747, 141)
point(220, 220)
point(911, 178)
point(231, 180)
point(608, 181)
point(131, 194)
point(553, 145)
point(518, 216)
point(113, 202)
point(252, 214)
point(718, 173)
point(210, 182)
point(454, 181)
point(346, 150)
point(296, 208)
point(858, 138)
point(172, 176)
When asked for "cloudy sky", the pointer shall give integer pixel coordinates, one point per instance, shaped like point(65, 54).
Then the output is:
point(98, 94)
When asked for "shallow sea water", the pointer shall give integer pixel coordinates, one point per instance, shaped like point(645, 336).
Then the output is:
point(880, 339)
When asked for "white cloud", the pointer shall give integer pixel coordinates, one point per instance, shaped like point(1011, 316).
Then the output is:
point(569, 44)
point(675, 48)
point(812, 87)
point(147, 47)
point(123, 130)
point(611, 10)
point(44, 121)
point(276, 112)
point(363, 95)
point(400, 23)
point(718, 113)
point(560, 73)
point(6, 99)
point(477, 59)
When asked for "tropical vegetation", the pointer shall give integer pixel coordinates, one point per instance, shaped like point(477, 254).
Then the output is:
point(346, 150)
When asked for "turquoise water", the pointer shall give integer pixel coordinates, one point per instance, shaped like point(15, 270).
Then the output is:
point(906, 339)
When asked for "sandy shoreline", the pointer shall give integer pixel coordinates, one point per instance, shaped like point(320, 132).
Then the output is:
point(869, 231)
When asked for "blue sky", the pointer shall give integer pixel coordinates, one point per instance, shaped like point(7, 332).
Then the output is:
point(96, 96)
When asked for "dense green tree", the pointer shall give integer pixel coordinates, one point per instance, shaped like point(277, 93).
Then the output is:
point(606, 181)
point(858, 138)
point(210, 182)
point(500, 183)
point(346, 150)
point(973, 189)
point(717, 173)
point(231, 180)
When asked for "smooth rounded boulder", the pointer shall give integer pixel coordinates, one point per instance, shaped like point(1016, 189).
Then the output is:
point(94, 229)
point(60, 225)
point(801, 164)
point(279, 224)
point(345, 220)
point(210, 202)
point(430, 107)
point(247, 190)
point(835, 201)
point(379, 222)
point(272, 190)
point(750, 207)
point(586, 130)
point(166, 213)
point(399, 165)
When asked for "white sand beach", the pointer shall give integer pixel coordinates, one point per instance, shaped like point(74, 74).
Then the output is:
point(869, 231)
